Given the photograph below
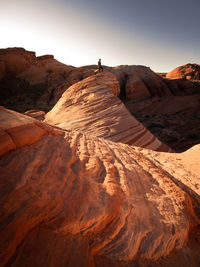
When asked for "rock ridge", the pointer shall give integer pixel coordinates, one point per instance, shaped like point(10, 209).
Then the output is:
point(92, 106)
point(76, 192)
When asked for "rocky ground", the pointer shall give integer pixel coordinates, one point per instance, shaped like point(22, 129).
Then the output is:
point(77, 196)
point(169, 108)
point(179, 129)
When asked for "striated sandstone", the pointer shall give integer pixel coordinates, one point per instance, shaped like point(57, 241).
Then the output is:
point(188, 71)
point(187, 168)
point(73, 199)
point(28, 82)
point(18, 130)
point(92, 106)
point(140, 82)
point(37, 114)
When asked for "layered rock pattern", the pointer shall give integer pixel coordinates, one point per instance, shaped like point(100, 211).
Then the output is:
point(139, 82)
point(72, 199)
point(187, 71)
point(92, 106)
point(30, 82)
point(18, 131)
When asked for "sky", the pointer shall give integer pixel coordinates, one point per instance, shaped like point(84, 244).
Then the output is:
point(160, 34)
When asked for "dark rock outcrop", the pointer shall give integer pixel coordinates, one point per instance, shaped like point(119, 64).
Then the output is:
point(30, 82)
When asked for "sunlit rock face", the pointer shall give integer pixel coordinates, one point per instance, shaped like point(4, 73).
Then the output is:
point(89, 187)
point(18, 130)
point(92, 106)
point(29, 82)
point(140, 82)
point(69, 198)
point(187, 71)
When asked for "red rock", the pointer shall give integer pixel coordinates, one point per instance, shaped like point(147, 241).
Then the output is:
point(140, 82)
point(72, 199)
point(187, 71)
point(92, 106)
point(43, 74)
point(18, 130)
point(15, 60)
point(37, 114)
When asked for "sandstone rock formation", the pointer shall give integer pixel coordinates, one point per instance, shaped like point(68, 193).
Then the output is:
point(91, 106)
point(33, 81)
point(28, 82)
point(139, 82)
point(187, 71)
point(13, 61)
point(170, 109)
point(37, 114)
point(72, 199)
point(174, 120)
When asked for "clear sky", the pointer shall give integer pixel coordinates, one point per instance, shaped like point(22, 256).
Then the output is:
point(161, 34)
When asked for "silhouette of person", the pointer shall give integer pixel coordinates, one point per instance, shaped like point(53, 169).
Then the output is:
point(99, 65)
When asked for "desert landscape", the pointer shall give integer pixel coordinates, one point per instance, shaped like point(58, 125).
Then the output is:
point(98, 168)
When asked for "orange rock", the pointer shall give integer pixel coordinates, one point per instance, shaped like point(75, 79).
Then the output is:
point(188, 71)
point(140, 82)
point(37, 114)
point(72, 199)
point(15, 60)
point(92, 106)
point(47, 76)
point(17, 130)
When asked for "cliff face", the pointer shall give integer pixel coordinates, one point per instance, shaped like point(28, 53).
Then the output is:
point(14, 61)
point(29, 82)
point(69, 198)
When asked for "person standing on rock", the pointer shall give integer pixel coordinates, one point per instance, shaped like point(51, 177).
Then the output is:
point(100, 66)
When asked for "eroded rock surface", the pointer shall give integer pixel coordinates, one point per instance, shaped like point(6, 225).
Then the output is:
point(73, 199)
point(139, 82)
point(92, 106)
point(37, 114)
point(30, 82)
point(174, 120)
point(187, 71)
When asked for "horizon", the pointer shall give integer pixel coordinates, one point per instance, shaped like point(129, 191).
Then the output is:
point(192, 63)
point(161, 36)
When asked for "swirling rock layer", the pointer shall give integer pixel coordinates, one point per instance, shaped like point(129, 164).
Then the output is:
point(72, 199)
point(92, 106)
